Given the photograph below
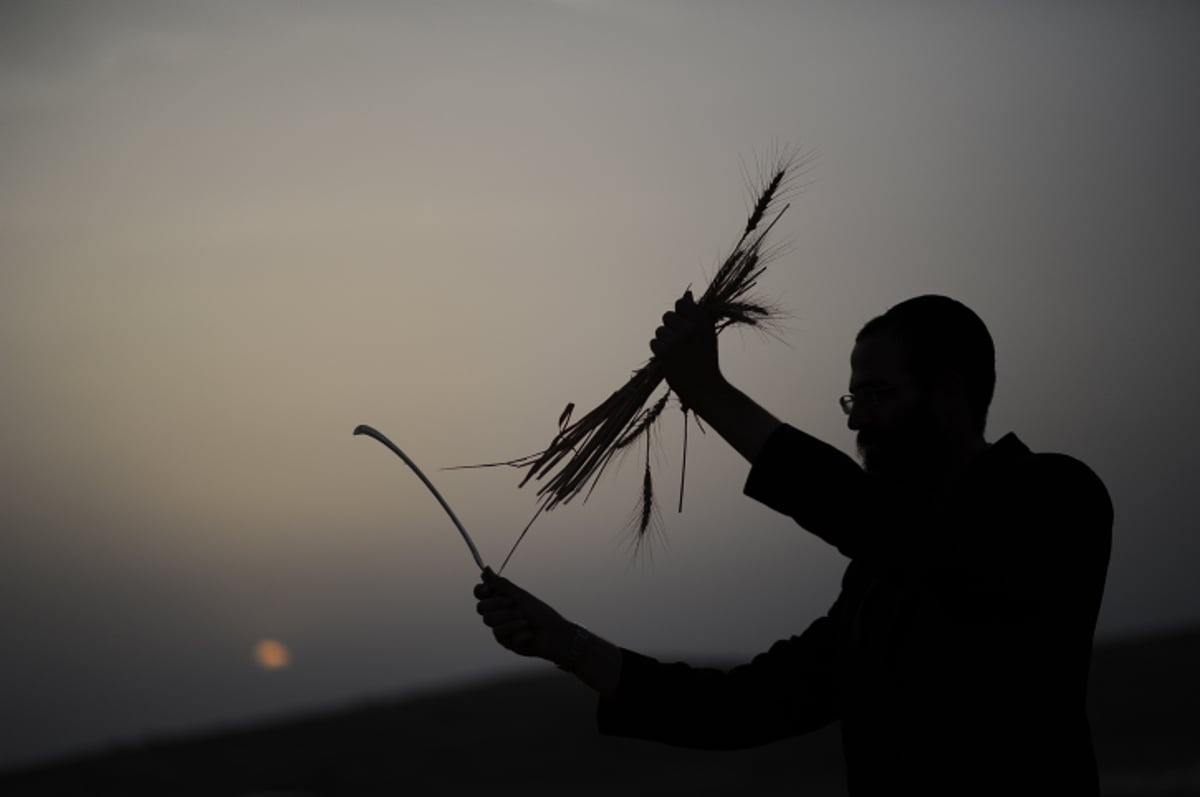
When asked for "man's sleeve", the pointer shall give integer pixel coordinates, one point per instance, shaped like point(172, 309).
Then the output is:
point(817, 485)
point(786, 691)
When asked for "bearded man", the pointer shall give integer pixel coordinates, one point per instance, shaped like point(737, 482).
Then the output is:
point(956, 655)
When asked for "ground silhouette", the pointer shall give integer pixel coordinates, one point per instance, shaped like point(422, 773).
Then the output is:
point(1143, 706)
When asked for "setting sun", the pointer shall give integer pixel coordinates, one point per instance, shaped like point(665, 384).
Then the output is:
point(272, 654)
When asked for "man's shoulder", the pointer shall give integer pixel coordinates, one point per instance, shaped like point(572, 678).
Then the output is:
point(1051, 468)
point(1063, 481)
point(1049, 484)
point(1065, 471)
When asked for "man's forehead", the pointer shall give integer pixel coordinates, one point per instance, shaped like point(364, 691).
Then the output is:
point(877, 360)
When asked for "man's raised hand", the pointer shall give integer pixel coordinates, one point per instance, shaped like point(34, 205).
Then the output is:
point(686, 345)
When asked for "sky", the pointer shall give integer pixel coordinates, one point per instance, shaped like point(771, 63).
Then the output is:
point(232, 231)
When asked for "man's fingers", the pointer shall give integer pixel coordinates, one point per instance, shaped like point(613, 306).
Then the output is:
point(503, 618)
point(667, 341)
point(677, 326)
point(501, 587)
point(691, 316)
point(499, 584)
point(494, 604)
point(683, 325)
point(680, 320)
point(668, 336)
point(505, 634)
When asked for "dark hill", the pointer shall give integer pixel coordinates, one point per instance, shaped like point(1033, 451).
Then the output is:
point(535, 735)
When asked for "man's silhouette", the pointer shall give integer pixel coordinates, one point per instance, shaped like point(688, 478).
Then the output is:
point(956, 654)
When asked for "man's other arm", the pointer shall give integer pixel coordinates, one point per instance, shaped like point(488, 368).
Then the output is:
point(785, 691)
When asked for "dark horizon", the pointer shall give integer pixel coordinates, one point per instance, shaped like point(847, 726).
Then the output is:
point(1139, 711)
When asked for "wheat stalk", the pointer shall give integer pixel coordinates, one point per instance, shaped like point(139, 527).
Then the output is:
point(578, 455)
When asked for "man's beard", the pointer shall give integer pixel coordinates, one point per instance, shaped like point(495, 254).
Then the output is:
point(914, 452)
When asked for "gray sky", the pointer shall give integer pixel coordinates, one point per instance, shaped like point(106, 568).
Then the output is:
point(230, 232)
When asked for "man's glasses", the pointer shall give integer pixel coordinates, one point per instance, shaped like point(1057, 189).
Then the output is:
point(867, 398)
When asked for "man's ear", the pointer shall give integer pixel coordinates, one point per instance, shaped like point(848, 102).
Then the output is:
point(949, 388)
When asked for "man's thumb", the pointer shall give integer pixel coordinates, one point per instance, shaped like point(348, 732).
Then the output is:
point(497, 582)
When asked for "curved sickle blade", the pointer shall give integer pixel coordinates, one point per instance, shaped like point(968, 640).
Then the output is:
point(368, 431)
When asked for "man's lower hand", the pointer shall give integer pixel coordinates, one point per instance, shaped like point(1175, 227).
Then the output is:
point(521, 622)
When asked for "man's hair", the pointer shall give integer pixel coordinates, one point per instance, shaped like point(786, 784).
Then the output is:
point(943, 338)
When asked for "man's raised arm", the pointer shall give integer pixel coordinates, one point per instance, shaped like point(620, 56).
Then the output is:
point(792, 472)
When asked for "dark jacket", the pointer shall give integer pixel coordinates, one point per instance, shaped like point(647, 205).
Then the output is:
point(956, 655)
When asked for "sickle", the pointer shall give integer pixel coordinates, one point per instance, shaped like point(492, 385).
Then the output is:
point(367, 430)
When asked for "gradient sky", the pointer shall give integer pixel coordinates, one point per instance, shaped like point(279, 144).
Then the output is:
point(230, 232)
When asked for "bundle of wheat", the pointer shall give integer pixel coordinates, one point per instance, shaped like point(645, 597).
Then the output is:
point(581, 451)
